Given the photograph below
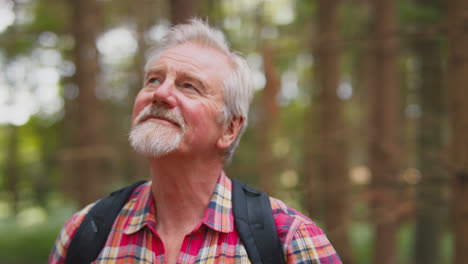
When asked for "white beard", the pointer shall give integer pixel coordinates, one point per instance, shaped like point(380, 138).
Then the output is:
point(154, 139)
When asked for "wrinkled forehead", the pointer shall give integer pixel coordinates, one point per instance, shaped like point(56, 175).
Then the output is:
point(215, 53)
point(206, 62)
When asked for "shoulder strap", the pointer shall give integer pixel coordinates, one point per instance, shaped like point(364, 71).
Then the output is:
point(255, 224)
point(252, 215)
point(92, 234)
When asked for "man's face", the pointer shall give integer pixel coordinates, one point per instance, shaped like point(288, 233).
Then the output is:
point(180, 105)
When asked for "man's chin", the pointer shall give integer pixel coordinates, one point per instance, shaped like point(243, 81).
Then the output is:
point(155, 154)
point(154, 140)
point(152, 153)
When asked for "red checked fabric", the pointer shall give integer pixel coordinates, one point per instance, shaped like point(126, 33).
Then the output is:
point(134, 239)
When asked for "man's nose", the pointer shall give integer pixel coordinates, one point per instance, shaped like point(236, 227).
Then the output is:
point(164, 94)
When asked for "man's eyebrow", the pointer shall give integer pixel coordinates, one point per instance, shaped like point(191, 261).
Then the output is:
point(193, 78)
point(156, 70)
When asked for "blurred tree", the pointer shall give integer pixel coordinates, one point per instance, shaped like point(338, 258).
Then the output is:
point(360, 58)
point(384, 148)
point(458, 96)
point(331, 141)
point(88, 155)
point(136, 166)
point(182, 10)
point(12, 168)
point(13, 160)
point(431, 203)
point(267, 127)
point(269, 109)
point(143, 15)
point(45, 175)
point(313, 187)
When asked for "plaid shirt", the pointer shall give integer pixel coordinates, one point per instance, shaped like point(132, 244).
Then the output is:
point(133, 238)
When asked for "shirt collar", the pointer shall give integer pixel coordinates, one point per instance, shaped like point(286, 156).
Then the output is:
point(139, 211)
point(218, 215)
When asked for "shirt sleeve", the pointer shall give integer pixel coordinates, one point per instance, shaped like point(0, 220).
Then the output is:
point(310, 245)
point(59, 251)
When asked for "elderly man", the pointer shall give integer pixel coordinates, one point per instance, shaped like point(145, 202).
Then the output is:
point(187, 121)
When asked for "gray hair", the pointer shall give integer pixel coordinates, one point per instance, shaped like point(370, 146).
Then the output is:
point(237, 88)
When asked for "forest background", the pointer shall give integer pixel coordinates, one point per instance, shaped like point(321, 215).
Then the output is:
point(359, 116)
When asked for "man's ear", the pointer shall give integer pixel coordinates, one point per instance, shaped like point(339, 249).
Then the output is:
point(230, 133)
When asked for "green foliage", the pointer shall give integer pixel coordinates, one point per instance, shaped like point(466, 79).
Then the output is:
point(31, 245)
point(305, 10)
point(425, 12)
point(23, 243)
point(293, 117)
point(361, 235)
point(354, 18)
point(3, 145)
point(51, 15)
point(13, 46)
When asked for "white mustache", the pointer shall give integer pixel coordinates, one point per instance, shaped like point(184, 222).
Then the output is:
point(153, 110)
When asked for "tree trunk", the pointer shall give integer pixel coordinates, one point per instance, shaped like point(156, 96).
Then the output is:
point(313, 187)
point(313, 180)
point(332, 161)
point(137, 167)
point(88, 155)
point(12, 168)
point(183, 10)
point(12, 159)
point(431, 205)
point(268, 125)
point(385, 149)
point(45, 178)
point(458, 96)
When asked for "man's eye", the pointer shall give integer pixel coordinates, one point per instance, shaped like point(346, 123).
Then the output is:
point(188, 86)
point(154, 81)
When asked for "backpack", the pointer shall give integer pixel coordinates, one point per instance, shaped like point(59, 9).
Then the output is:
point(252, 216)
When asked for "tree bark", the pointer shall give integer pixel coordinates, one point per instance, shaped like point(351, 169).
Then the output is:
point(268, 124)
point(313, 187)
point(385, 149)
point(458, 97)
point(137, 166)
point(88, 156)
point(431, 203)
point(313, 180)
point(183, 10)
point(332, 160)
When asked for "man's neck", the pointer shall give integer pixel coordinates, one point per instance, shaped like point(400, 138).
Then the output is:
point(182, 188)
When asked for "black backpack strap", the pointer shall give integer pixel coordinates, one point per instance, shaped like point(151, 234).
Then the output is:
point(255, 224)
point(92, 234)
